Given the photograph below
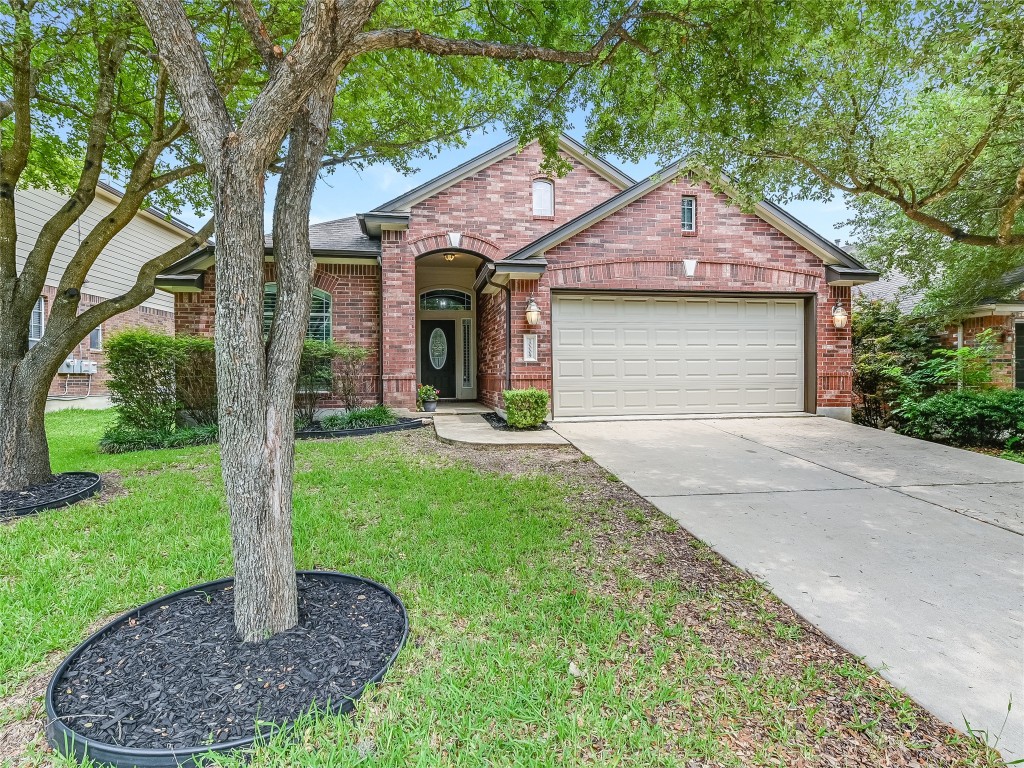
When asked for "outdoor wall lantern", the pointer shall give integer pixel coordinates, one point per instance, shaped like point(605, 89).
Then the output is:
point(839, 315)
point(689, 267)
point(532, 312)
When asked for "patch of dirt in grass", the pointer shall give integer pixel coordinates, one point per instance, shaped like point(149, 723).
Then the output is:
point(775, 689)
point(22, 717)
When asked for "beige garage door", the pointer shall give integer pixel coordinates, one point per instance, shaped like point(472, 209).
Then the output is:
point(633, 355)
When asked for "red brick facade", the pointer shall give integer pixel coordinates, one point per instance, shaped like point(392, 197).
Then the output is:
point(638, 248)
point(80, 384)
point(1007, 326)
point(355, 314)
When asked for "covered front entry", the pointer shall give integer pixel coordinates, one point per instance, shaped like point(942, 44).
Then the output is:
point(446, 332)
point(622, 354)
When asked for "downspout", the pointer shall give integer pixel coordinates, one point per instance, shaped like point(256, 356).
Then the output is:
point(380, 330)
point(508, 337)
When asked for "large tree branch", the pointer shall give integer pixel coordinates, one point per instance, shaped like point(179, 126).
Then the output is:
point(188, 68)
point(37, 263)
point(1008, 215)
point(62, 334)
point(253, 24)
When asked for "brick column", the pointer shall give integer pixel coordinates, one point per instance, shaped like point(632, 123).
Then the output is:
point(835, 355)
point(398, 313)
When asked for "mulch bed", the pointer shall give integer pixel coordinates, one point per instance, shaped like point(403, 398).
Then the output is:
point(316, 430)
point(177, 676)
point(45, 495)
point(501, 425)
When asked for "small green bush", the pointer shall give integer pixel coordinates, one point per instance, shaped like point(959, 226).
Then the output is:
point(315, 382)
point(141, 365)
point(123, 439)
point(361, 418)
point(992, 418)
point(525, 408)
point(350, 367)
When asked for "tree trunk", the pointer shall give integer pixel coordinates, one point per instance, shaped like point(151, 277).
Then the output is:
point(251, 446)
point(24, 453)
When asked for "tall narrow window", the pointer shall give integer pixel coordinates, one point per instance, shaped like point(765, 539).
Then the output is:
point(96, 338)
point(689, 214)
point(543, 197)
point(319, 325)
point(36, 323)
point(467, 358)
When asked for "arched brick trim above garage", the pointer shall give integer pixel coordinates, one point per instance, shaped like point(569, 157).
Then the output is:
point(666, 273)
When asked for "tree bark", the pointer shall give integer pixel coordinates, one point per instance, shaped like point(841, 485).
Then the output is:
point(24, 453)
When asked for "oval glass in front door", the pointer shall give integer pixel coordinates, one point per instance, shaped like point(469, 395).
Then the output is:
point(438, 349)
point(437, 356)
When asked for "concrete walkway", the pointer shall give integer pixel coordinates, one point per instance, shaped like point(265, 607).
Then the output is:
point(907, 553)
point(471, 429)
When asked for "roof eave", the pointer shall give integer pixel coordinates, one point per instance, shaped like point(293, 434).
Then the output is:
point(841, 275)
point(372, 223)
point(189, 283)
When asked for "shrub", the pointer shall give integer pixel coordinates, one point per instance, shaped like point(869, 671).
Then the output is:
point(968, 418)
point(361, 418)
point(315, 382)
point(525, 408)
point(350, 365)
point(141, 365)
point(197, 379)
point(122, 439)
point(888, 346)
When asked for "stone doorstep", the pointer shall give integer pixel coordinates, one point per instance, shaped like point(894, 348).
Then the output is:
point(471, 429)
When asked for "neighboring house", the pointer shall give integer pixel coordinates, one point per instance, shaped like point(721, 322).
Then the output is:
point(619, 297)
point(149, 234)
point(1005, 316)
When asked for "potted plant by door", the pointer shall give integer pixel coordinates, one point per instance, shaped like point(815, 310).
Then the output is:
point(426, 398)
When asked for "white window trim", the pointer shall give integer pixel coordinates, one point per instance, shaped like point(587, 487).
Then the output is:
point(693, 214)
point(530, 343)
point(549, 186)
point(40, 307)
point(327, 316)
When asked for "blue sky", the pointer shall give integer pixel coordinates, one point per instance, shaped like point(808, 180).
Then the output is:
point(347, 192)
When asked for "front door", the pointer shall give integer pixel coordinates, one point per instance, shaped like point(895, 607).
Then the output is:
point(437, 356)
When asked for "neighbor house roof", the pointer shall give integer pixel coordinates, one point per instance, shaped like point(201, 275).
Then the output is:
point(848, 269)
point(163, 215)
point(893, 286)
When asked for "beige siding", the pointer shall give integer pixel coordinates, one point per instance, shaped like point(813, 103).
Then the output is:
point(116, 270)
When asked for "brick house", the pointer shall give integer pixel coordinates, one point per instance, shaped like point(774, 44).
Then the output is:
point(150, 233)
point(1005, 316)
point(618, 297)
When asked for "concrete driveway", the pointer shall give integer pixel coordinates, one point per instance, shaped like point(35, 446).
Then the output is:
point(907, 553)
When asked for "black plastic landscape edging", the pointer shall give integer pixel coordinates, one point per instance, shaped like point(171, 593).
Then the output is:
point(90, 490)
point(70, 743)
point(327, 434)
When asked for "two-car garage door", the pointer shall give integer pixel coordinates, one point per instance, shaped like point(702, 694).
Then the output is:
point(633, 355)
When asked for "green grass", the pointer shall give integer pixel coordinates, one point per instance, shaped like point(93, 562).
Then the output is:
point(505, 587)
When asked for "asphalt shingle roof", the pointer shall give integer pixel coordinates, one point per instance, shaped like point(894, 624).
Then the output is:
point(339, 235)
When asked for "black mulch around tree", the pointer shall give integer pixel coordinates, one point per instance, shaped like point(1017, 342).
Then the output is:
point(60, 487)
point(500, 424)
point(178, 676)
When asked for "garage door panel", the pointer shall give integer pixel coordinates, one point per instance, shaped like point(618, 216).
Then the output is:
point(664, 355)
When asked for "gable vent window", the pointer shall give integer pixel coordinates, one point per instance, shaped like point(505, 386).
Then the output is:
point(543, 197)
point(689, 214)
point(319, 326)
point(36, 323)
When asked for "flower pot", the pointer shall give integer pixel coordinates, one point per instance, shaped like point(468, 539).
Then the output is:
point(430, 406)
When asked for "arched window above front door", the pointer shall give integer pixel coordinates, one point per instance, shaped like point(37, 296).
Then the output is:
point(446, 300)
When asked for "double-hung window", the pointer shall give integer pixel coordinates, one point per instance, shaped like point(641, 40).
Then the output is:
point(688, 218)
point(319, 325)
point(37, 322)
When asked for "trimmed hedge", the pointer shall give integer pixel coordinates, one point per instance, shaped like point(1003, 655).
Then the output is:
point(142, 367)
point(990, 418)
point(525, 408)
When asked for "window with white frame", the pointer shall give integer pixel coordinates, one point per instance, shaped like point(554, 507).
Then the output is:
point(37, 322)
point(96, 338)
point(319, 326)
point(543, 197)
point(689, 214)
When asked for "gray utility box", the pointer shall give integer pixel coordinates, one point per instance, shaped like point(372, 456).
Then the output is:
point(73, 365)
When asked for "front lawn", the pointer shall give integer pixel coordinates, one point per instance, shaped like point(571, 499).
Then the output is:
point(556, 618)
